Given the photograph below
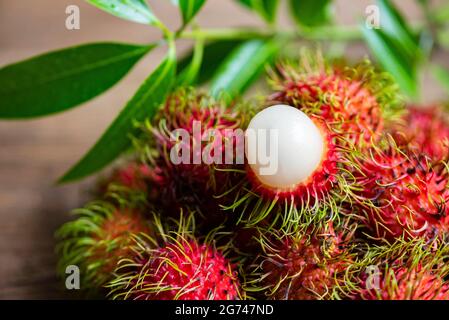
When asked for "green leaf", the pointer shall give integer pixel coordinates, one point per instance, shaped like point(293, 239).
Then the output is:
point(133, 10)
point(442, 75)
point(189, 8)
point(395, 26)
point(267, 9)
point(189, 74)
point(310, 13)
point(392, 59)
point(214, 54)
point(116, 139)
point(62, 79)
point(243, 66)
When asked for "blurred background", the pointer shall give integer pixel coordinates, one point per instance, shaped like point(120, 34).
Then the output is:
point(33, 154)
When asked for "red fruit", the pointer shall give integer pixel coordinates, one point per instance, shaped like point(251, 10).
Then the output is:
point(399, 283)
point(133, 175)
point(350, 106)
point(305, 267)
point(198, 115)
point(403, 195)
point(116, 229)
point(195, 185)
point(130, 177)
point(347, 101)
point(96, 241)
point(426, 130)
point(183, 270)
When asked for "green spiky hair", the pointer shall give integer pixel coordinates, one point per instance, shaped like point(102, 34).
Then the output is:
point(400, 193)
point(175, 264)
point(406, 269)
point(191, 187)
point(96, 240)
point(350, 106)
point(309, 264)
point(313, 71)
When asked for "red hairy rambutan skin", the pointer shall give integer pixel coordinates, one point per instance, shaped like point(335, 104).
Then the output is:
point(133, 182)
point(117, 228)
point(96, 241)
point(304, 267)
point(350, 107)
point(196, 185)
point(400, 283)
point(349, 101)
point(403, 195)
point(186, 271)
point(175, 265)
point(133, 175)
point(425, 129)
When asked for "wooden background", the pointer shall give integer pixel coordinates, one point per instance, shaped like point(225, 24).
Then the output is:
point(33, 154)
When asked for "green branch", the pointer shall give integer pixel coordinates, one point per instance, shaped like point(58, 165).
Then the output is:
point(342, 33)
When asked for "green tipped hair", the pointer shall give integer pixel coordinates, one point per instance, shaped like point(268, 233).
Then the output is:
point(82, 240)
point(128, 280)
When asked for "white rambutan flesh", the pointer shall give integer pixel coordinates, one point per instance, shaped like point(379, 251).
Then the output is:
point(283, 147)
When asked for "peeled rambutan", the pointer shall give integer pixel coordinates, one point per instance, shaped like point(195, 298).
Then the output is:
point(306, 156)
point(178, 267)
point(101, 235)
point(338, 112)
point(426, 130)
point(303, 265)
point(402, 194)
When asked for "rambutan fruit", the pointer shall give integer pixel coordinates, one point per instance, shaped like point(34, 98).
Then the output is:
point(426, 130)
point(305, 265)
point(402, 194)
point(195, 146)
point(405, 270)
point(96, 241)
point(131, 184)
point(339, 112)
point(399, 283)
point(305, 162)
point(132, 175)
point(355, 101)
point(175, 265)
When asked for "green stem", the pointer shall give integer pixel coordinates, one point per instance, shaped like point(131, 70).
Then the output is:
point(225, 34)
point(324, 33)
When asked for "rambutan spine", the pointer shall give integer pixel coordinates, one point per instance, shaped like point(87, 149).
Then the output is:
point(350, 106)
point(405, 270)
point(175, 265)
point(97, 239)
point(424, 129)
point(308, 264)
point(194, 186)
point(402, 194)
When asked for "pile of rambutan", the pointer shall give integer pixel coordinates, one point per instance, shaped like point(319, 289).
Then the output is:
point(356, 206)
